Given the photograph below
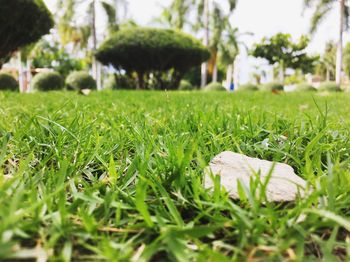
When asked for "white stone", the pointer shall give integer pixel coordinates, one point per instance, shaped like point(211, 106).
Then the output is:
point(85, 92)
point(284, 185)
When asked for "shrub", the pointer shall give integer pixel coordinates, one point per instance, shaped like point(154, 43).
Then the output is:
point(47, 81)
point(164, 54)
point(8, 82)
point(110, 83)
point(305, 87)
point(248, 87)
point(273, 86)
point(80, 80)
point(22, 22)
point(214, 86)
point(330, 87)
point(186, 85)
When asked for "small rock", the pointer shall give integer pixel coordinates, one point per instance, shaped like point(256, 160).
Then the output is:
point(85, 92)
point(284, 185)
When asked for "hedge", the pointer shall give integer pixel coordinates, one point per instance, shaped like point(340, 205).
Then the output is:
point(153, 52)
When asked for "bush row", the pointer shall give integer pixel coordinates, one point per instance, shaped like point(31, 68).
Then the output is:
point(303, 87)
point(49, 81)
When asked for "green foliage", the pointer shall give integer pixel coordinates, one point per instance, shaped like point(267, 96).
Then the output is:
point(8, 82)
point(80, 80)
point(51, 55)
point(248, 87)
point(330, 87)
point(176, 14)
point(155, 52)
point(321, 9)
point(186, 85)
point(305, 87)
point(325, 68)
point(280, 50)
point(296, 78)
point(22, 22)
point(346, 59)
point(110, 82)
point(47, 81)
point(273, 86)
point(214, 86)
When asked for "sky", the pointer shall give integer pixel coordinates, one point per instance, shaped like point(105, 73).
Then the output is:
point(260, 17)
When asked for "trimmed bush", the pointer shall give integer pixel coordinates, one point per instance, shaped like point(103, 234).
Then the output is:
point(248, 87)
point(214, 86)
point(305, 87)
point(8, 82)
point(80, 80)
point(330, 87)
point(47, 81)
point(273, 86)
point(22, 22)
point(186, 86)
point(163, 53)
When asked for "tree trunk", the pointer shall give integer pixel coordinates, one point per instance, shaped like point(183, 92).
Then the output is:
point(204, 69)
point(328, 74)
point(20, 72)
point(176, 79)
point(215, 73)
point(235, 74)
point(281, 72)
point(96, 70)
point(29, 75)
point(340, 43)
point(229, 73)
point(140, 82)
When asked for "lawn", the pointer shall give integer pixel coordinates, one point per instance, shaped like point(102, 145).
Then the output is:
point(118, 176)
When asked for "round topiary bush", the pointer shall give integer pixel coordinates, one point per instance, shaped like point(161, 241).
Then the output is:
point(305, 87)
point(151, 51)
point(22, 22)
point(273, 86)
point(8, 82)
point(214, 86)
point(248, 87)
point(330, 87)
point(186, 86)
point(80, 80)
point(47, 81)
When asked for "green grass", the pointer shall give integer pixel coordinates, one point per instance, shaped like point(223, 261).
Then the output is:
point(117, 176)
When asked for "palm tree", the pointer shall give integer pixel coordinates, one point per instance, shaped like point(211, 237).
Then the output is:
point(322, 8)
point(80, 34)
point(176, 14)
point(219, 22)
point(229, 49)
point(204, 13)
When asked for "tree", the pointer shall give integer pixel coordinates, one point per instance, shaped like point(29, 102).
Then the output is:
point(229, 49)
point(158, 55)
point(50, 54)
point(22, 22)
point(280, 50)
point(80, 33)
point(176, 14)
point(205, 10)
point(327, 64)
point(321, 9)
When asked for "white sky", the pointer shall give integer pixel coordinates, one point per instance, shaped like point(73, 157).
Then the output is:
point(261, 17)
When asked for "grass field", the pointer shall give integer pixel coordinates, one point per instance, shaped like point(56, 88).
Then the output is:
point(117, 176)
